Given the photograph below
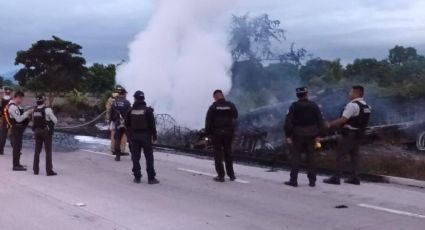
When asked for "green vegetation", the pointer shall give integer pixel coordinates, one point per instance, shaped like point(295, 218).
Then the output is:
point(257, 42)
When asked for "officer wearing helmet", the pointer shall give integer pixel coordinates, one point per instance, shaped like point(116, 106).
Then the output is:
point(111, 124)
point(120, 108)
point(4, 129)
point(140, 122)
point(303, 124)
point(43, 125)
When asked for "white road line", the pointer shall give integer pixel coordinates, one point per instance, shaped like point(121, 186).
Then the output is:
point(99, 153)
point(392, 211)
point(209, 174)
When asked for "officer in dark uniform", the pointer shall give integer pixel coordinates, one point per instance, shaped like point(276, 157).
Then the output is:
point(303, 124)
point(354, 120)
point(18, 120)
point(119, 111)
point(140, 123)
point(44, 122)
point(4, 128)
point(220, 125)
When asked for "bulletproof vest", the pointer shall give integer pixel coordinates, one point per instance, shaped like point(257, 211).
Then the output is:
point(223, 115)
point(120, 107)
point(11, 120)
point(39, 118)
point(362, 120)
point(305, 114)
point(138, 119)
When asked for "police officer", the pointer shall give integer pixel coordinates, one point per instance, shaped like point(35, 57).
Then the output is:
point(44, 122)
point(303, 124)
point(4, 128)
point(140, 123)
point(111, 124)
point(18, 120)
point(220, 125)
point(120, 108)
point(353, 121)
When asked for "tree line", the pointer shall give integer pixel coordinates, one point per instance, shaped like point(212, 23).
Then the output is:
point(262, 70)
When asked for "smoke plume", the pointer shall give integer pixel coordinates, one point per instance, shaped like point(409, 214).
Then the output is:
point(181, 57)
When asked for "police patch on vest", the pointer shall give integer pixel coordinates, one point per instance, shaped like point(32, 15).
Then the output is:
point(37, 114)
point(223, 108)
point(138, 112)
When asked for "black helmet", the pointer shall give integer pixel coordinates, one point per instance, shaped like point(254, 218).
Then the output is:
point(139, 95)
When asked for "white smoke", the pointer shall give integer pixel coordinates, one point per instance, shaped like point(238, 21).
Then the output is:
point(181, 57)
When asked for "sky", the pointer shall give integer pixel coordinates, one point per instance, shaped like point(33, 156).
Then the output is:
point(328, 29)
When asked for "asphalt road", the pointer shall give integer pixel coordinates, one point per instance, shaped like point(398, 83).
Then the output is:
point(94, 192)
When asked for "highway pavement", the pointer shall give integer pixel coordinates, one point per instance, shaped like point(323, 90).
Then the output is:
point(92, 191)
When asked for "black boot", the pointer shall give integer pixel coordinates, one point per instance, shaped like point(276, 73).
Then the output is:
point(19, 168)
point(52, 173)
point(137, 180)
point(353, 180)
point(332, 180)
point(292, 183)
point(219, 179)
point(153, 181)
point(312, 183)
point(117, 156)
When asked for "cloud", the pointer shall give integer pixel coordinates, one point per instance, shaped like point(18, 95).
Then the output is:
point(327, 28)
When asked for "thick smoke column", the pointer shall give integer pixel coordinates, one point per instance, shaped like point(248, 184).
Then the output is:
point(181, 57)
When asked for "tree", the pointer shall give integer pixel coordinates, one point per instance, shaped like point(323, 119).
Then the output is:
point(370, 70)
point(400, 55)
point(101, 78)
point(252, 37)
point(51, 66)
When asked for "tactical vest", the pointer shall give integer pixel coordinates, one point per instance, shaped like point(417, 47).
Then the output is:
point(362, 120)
point(223, 116)
point(10, 121)
point(39, 118)
point(138, 119)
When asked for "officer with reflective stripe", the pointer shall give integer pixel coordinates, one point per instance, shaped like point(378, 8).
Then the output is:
point(220, 125)
point(303, 124)
point(120, 108)
point(44, 122)
point(353, 121)
point(18, 120)
point(140, 123)
point(4, 129)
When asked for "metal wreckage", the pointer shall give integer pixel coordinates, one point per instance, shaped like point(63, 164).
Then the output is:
point(259, 132)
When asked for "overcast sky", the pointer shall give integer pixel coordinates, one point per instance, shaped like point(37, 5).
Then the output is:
point(329, 28)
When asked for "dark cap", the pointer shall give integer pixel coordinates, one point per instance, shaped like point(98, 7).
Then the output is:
point(301, 90)
point(120, 90)
point(7, 89)
point(40, 98)
point(139, 95)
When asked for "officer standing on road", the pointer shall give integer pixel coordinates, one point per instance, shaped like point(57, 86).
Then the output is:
point(4, 128)
point(303, 124)
point(44, 122)
point(111, 124)
point(18, 120)
point(220, 125)
point(119, 111)
point(140, 123)
point(353, 121)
